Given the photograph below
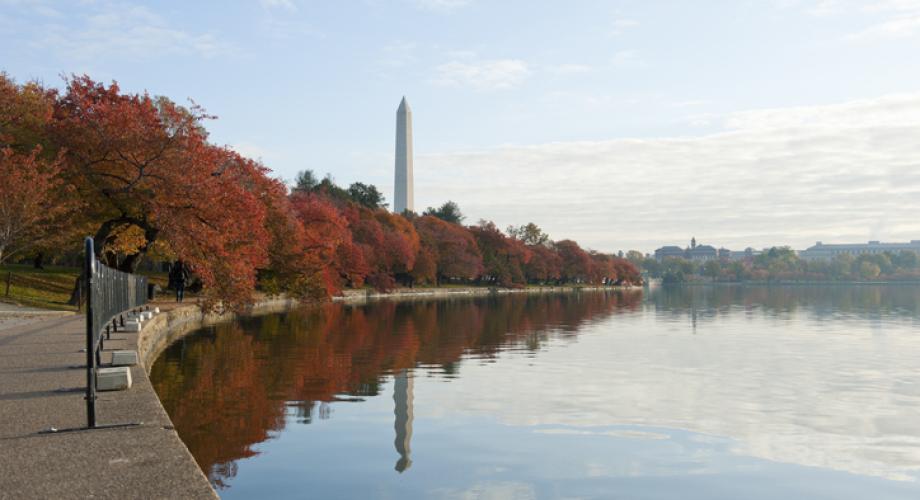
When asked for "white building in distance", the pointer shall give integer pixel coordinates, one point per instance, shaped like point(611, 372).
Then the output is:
point(403, 196)
point(829, 251)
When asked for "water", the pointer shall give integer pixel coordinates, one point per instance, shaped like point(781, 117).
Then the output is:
point(724, 392)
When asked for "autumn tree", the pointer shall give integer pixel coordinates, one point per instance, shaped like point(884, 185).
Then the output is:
point(602, 270)
point(325, 231)
point(503, 258)
point(452, 248)
point(400, 245)
point(545, 265)
point(30, 203)
point(144, 163)
point(35, 202)
point(576, 263)
point(388, 242)
point(626, 272)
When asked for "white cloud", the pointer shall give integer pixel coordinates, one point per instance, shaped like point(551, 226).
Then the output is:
point(497, 74)
point(885, 19)
point(120, 30)
point(776, 176)
point(901, 27)
point(565, 69)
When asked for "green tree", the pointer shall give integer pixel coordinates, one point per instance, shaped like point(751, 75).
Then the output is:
point(449, 212)
point(869, 270)
point(636, 257)
point(530, 234)
point(905, 259)
point(712, 269)
point(841, 266)
point(305, 181)
point(367, 195)
point(652, 266)
point(328, 187)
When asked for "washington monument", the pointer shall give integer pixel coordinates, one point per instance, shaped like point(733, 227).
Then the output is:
point(403, 198)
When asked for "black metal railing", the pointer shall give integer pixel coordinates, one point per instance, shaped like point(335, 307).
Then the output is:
point(110, 294)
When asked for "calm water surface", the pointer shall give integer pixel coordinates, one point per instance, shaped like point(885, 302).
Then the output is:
point(729, 392)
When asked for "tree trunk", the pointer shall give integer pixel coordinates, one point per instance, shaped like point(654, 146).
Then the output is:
point(76, 295)
point(104, 236)
point(38, 261)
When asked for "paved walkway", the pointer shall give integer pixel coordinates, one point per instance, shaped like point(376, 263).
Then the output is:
point(13, 315)
point(41, 387)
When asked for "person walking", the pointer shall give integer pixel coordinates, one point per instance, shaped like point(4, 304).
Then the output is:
point(178, 278)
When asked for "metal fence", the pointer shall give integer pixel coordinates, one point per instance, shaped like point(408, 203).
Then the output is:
point(110, 294)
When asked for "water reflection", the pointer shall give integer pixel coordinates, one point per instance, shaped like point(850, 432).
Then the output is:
point(230, 387)
point(819, 302)
point(402, 396)
point(694, 392)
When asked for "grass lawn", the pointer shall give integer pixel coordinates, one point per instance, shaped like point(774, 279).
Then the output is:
point(47, 288)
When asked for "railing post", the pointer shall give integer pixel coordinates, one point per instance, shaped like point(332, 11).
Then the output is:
point(88, 268)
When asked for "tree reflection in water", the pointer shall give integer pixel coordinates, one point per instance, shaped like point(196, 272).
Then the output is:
point(230, 387)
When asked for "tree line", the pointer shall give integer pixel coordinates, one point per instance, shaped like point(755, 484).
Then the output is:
point(783, 264)
point(139, 174)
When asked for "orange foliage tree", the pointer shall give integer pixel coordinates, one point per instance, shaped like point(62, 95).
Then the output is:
point(29, 201)
point(144, 162)
point(450, 247)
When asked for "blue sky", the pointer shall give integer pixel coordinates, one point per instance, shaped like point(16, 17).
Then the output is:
point(622, 124)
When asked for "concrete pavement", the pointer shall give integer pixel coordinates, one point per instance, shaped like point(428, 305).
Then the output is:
point(42, 387)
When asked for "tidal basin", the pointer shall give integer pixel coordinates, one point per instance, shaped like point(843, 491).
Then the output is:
point(689, 392)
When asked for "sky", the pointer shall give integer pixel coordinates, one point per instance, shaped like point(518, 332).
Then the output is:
point(620, 124)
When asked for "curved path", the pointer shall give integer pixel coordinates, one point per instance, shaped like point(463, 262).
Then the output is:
point(41, 386)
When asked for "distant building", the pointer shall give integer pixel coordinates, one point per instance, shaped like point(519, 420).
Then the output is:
point(743, 255)
point(702, 253)
point(669, 252)
point(829, 251)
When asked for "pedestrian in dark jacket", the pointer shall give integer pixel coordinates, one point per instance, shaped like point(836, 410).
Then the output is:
point(178, 279)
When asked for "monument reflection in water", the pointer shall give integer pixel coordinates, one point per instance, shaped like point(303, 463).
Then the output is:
point(721, 392)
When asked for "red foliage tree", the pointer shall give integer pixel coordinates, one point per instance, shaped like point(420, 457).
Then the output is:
point(626, 272)
point(30, 203)
point(144, 163)
point(576, 263)
point(34, 200)
point(545, 265)
point(451, 247)
point(503, 258)
point(325, 230)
